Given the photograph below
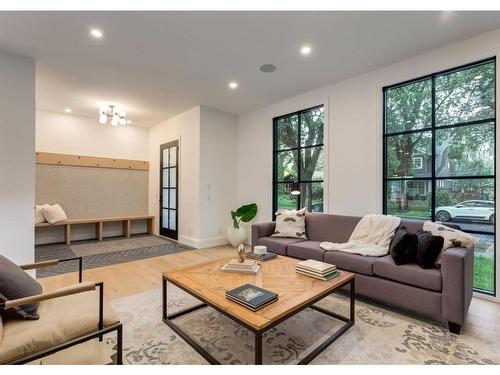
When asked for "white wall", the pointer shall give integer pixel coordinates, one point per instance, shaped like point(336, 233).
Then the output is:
point(71, 134)
point(218, 172)
point(184, 127)
point(17, 154)
point(354, 135)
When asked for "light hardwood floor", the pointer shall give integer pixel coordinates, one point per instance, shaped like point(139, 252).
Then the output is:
point(125, 279)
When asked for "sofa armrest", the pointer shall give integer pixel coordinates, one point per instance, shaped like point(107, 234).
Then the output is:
point(457, 264)
point(261, 230)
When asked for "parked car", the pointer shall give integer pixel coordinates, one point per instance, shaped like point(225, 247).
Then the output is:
point(471, 210)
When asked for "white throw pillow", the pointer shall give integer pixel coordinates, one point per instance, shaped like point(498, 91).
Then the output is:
point(54, 214)
point(39, 218)
point(290, 224)
point(452, 237)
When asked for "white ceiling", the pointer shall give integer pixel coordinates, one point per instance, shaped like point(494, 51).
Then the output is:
point(158, 64)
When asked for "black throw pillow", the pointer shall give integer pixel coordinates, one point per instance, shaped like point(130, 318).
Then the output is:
point(16, 283)
point(428, 248)
point(403, 246)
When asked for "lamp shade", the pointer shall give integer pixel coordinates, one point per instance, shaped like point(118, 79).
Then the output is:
point(294, 188)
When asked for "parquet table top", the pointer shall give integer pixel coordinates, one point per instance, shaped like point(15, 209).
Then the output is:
point(208, 283)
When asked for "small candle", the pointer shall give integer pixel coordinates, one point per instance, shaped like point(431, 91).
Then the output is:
point(260, 250)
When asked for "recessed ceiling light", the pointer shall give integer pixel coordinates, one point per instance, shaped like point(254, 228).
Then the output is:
point(67, 110)
point(96, 33)
point(233, 85)
point(305, 50)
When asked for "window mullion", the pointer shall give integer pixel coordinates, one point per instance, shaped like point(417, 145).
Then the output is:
point(433, 152)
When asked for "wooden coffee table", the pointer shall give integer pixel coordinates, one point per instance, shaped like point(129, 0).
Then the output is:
point(296, 292)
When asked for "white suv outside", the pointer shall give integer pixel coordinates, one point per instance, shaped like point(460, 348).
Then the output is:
point(472, 210)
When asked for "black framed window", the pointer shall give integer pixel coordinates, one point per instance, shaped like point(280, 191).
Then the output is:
point(439, 155)
point(298, 159)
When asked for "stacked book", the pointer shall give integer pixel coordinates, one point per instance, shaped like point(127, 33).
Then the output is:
point(317, 269)
point(262, 257)
point(251, 296)
point(248, 266)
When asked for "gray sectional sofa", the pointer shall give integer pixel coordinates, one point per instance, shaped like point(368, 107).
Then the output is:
point(439, 293)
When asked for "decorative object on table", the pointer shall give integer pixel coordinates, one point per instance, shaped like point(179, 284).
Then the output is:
point(235, 233)
point(317, 269)
point(260, 250)
point(248, 266)
point(291, 223)
point(251, 296)
point(241, 253)
point(262, 257)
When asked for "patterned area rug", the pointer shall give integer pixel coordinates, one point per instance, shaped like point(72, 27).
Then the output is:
point(379, 336)
point(104, 253)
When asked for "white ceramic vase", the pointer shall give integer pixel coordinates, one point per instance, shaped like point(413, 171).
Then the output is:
point(236, 236)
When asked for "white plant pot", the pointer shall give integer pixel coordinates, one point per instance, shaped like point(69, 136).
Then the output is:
point(236, 236)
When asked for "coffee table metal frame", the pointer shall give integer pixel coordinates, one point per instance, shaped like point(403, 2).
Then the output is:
point(169, 320)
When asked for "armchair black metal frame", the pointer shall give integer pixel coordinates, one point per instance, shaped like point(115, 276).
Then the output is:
point(99, 333)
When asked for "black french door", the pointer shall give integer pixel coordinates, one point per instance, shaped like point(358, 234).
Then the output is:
point(169, 196)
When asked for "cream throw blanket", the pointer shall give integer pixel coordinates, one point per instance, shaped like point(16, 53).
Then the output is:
point(371, 237)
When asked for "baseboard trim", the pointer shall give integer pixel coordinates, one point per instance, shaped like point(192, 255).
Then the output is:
point(200, 243)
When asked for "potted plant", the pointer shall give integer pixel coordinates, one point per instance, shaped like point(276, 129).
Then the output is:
point(235, 233)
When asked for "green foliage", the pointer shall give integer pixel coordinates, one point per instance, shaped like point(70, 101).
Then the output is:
point(244, 214)
point(484, 273)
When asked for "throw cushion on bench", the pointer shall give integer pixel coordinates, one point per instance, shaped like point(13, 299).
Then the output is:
point(16, 283)
point(39, 217)
point(54, 214)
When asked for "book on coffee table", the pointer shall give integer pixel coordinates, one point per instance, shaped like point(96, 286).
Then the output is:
point(252, 297)
point(317, 269)
point(326, 277)
point(248, 266)
point(262, 257)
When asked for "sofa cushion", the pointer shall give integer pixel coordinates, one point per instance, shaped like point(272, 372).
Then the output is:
point(403, 246)
point(14, 284)
point(351, 262)
point(61, 319)
point(305, 250)
point(327, 227)
point(277, 245)
point(290, 223)
point(410, 274)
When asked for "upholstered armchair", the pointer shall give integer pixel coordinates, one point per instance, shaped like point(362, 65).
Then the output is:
point(68, 316)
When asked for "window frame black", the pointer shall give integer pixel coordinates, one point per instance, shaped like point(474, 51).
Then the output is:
point(433, 179)
point(276, 151)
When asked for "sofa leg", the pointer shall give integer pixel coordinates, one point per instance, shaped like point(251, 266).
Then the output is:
point(454, 328)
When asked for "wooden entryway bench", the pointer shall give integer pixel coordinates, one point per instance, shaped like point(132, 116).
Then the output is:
point(99, 224)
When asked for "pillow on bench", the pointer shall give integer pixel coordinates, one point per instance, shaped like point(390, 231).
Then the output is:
point(39, 217)
point(54, 214)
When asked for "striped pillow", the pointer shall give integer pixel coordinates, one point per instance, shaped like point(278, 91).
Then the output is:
point(54, 214)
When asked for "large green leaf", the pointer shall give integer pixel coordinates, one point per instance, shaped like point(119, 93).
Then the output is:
point(247, 212)
point(235, 219)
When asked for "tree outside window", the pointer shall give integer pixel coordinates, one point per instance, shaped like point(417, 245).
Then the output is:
point(439, 154)
point(298, 160)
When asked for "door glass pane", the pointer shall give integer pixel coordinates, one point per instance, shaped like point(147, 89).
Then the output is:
point(465, 151)
point(165, 178)
point(173, 156)
point(311, 196)
point(287, 166)
point(286, 200)
point(165, 198)
point(408, 107)
point(466, 95)
point(408, 198)
point(311, 127)
point(287, 132)
point(173, 177)
point(172, 223)
point(165, 157)
point(467, 202)
point(409, 155)
point(173, 197)
point(164, 215)
point(311, 163)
